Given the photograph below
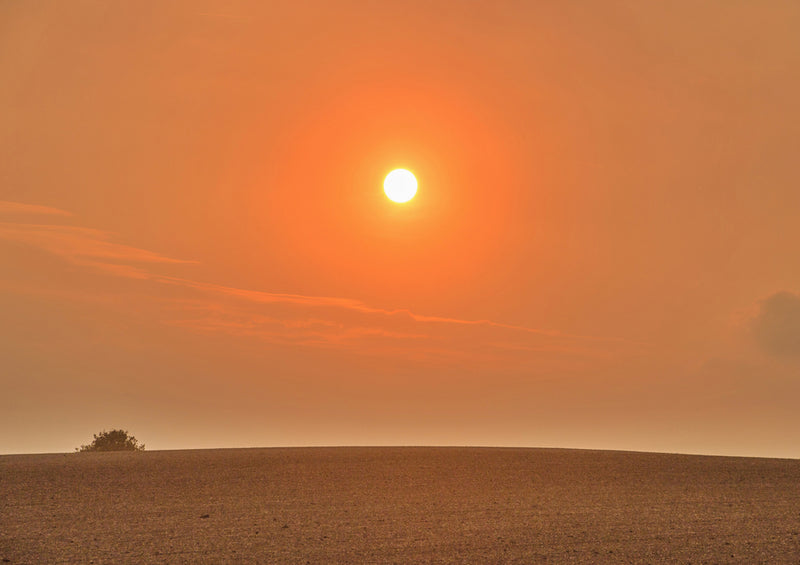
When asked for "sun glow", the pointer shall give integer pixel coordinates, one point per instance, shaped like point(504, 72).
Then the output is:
point(400, 185)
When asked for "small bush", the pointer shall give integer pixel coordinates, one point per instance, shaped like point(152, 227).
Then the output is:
point(115, 440)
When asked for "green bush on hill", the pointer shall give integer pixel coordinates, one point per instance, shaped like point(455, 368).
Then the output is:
point(115, 440)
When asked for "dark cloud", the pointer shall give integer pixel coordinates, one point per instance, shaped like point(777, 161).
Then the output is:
point(776, 326)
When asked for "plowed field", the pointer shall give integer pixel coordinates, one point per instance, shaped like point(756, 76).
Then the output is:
point(397, 505)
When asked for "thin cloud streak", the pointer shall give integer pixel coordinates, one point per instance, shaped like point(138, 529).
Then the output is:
point(7, 207)
point(82, 246)
point(358, 306)
point(355, 322)
point(265, 297)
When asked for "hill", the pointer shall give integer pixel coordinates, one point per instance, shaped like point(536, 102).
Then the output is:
point(398, 505)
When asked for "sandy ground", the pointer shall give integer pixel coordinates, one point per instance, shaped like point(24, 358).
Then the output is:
point(397, 505)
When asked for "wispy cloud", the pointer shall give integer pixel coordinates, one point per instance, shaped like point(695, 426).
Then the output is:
point(265, 297)
point(285, 318)
point(84, 246)
point(18, 208)
point(211, 317)
point(359, 306)
point(349, 324)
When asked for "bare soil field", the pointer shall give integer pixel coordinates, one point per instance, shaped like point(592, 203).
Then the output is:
point(397, 505)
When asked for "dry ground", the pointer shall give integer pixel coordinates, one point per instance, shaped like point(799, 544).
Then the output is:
point(397, 505)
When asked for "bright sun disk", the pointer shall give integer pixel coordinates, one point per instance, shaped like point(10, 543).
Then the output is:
point(400, 185)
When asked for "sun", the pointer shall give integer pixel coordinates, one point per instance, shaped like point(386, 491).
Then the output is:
point(400, 185)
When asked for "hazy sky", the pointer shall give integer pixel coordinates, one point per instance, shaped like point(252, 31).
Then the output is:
point(195, 245)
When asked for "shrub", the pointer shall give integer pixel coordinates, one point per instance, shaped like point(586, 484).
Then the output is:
point(115, 440)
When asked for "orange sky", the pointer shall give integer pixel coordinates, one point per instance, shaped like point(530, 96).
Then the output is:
point(195, 245)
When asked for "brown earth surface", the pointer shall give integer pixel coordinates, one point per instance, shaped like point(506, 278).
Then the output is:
point(397, 505)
